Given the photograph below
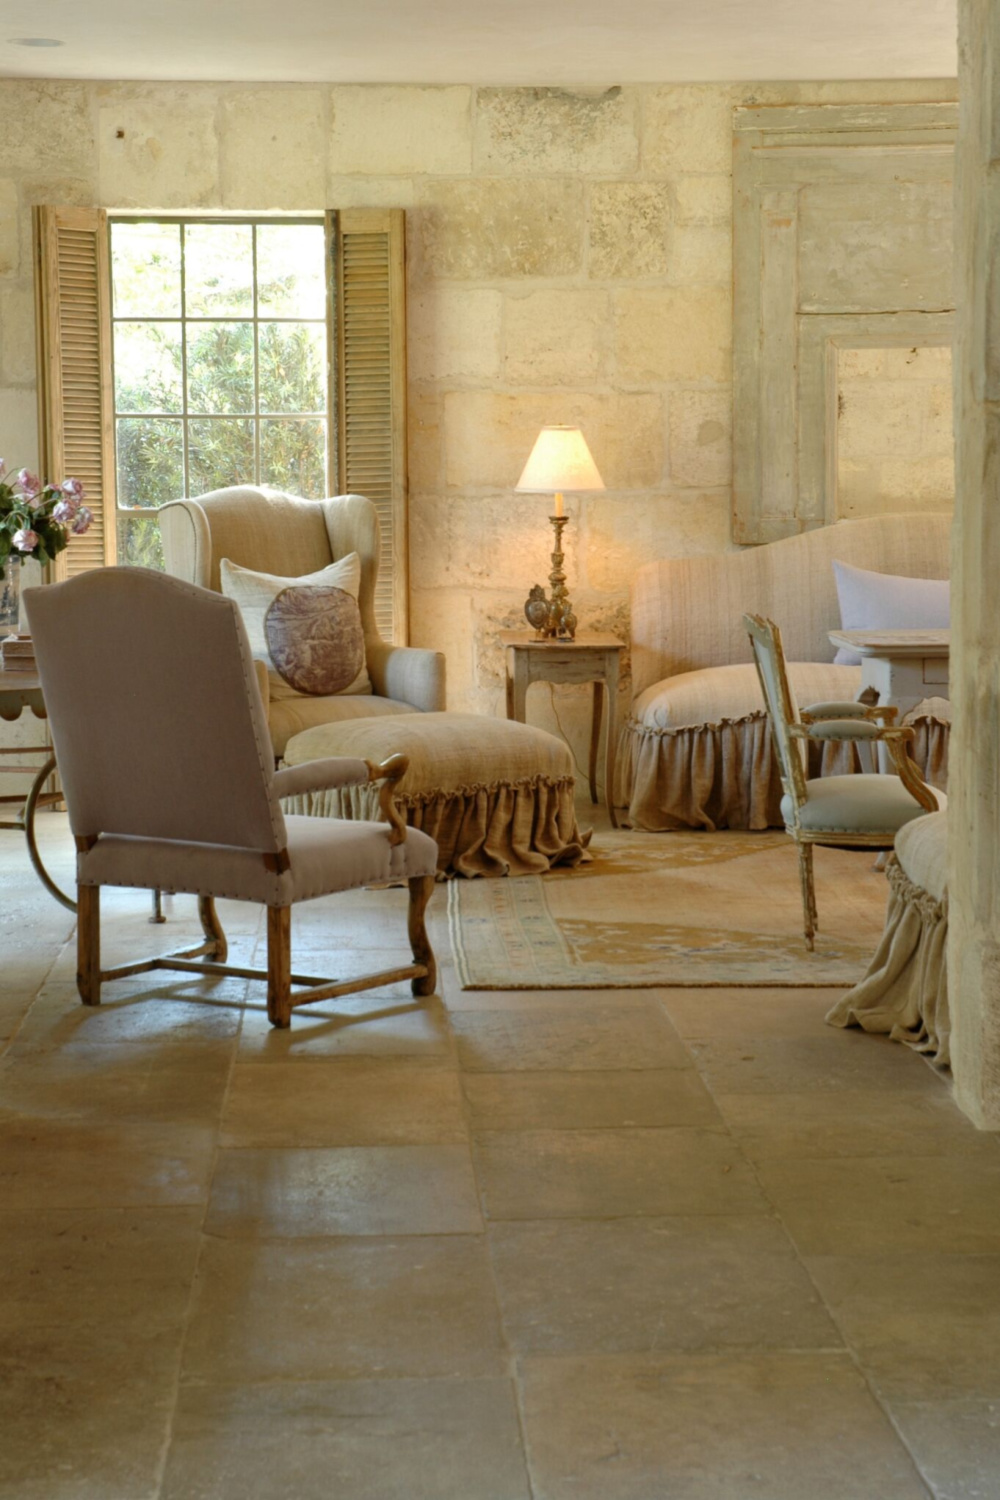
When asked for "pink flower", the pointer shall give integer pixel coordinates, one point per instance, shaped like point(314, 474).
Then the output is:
point(24, 540)
point(72, 489)
point(29, 483)
point(65, 511)
point(81, 521)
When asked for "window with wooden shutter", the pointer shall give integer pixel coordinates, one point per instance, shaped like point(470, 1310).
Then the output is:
point(369, 344)
point(72, 290)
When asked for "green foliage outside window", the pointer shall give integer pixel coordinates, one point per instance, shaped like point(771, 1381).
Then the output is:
point(224, 397)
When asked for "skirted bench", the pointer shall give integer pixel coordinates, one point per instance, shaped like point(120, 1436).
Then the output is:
point(905, 991)
point(496, 796)
point(695, 750)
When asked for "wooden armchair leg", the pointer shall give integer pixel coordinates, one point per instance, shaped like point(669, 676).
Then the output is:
point(421, 890)
point(212, 928)
point(808, 893)
point(88, 943)
point(279, 966)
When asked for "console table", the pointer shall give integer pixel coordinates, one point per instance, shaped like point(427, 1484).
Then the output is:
point(20, 691)
point(902, 666)
point(588, 658)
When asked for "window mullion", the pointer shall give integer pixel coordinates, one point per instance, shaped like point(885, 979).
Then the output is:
point(185, 447)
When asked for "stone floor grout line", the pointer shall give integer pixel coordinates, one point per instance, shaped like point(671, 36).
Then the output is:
point(848, 1347)
point(9, 1041)
point(511, 1359)
point(202, 1238)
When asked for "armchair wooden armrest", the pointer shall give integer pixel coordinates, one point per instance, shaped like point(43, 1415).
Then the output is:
point(343, 770)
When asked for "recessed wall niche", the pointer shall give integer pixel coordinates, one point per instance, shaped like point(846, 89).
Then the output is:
point(894, 433)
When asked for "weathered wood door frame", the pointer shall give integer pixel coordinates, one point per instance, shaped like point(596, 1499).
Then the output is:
point(784, 354)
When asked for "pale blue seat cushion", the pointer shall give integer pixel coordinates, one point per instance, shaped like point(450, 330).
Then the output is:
point(856, 804)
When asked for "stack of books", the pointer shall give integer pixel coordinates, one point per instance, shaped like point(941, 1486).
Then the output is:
point(17, 653)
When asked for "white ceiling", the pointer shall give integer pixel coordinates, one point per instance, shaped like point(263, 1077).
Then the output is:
point(568, 42)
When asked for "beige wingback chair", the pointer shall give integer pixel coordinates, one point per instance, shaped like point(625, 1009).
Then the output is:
point(272, 532)
point(860, 811)
point(162, 745)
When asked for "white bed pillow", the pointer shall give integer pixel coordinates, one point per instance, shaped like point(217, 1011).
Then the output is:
point(254, 593)
point(884, 601)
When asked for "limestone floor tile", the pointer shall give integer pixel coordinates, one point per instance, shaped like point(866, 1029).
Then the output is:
point(956, 1445)
point(925, 1327)
point(14, 1006)
point(709, 1427)
point(834, 1060)
point(156, 1010)
point(329, 1309)
point(370, 1190)
point(343, 1102)
point(66, 1163)
point(85, 1423)
point(115, 1271)
point(603, 1174)
point(873, 1204)
point(653, 1285)
point(586, 1099)
point(588, 1036)
point(853, 1123)
point(366, 1025)
point(354, 919)
point(146, 1084)
point(724, 1014)
point(328, 958)
point(358, 1439)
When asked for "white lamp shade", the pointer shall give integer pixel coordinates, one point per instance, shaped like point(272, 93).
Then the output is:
point(560, 460)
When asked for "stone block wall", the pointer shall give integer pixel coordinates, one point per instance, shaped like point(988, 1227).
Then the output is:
point(569, 261)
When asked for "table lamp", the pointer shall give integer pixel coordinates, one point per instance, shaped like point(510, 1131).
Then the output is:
point(559, 461)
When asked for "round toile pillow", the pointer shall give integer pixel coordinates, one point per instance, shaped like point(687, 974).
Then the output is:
point(315, 639)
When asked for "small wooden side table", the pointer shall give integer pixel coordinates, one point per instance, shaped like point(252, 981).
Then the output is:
point(590, 658)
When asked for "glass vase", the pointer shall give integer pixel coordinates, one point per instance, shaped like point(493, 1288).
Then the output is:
point(10, 597)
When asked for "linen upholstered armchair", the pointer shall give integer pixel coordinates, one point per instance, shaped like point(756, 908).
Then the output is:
point(271, 532)
point(167, 771)
point(859, 811)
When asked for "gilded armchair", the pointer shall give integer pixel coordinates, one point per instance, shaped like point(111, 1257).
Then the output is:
point(860, 811)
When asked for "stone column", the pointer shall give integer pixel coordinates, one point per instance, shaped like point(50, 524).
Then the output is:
point(974, 805)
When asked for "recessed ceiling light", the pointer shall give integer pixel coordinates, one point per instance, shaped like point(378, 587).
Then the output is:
point(35, 41)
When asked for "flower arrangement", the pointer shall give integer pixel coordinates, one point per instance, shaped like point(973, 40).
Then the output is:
point(36, 519)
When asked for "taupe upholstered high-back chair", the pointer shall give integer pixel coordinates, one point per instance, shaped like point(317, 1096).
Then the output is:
point(162, 744)
point(271, 532)
point(861, 811)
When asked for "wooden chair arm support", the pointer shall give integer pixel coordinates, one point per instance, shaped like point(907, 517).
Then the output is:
point(897, 742)
point(389, 773)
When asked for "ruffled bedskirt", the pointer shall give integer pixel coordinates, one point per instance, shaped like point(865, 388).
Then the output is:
point(518, 828)
point(905, 991)
point(726, 775)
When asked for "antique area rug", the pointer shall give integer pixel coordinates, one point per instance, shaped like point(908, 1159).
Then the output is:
point(670, 909)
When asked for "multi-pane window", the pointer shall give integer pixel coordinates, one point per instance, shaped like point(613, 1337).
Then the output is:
point(220, 363)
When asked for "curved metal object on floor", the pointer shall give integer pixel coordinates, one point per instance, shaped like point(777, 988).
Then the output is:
point(29, 835)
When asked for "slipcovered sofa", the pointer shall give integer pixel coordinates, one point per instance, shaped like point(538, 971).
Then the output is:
point(695, 749)
point(905, 991)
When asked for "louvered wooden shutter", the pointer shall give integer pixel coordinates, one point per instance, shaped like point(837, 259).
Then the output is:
point(369, 320)
point(73, 295)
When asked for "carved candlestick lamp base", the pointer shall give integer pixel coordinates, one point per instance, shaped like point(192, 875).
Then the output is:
point(560, 460)
point(553, 616)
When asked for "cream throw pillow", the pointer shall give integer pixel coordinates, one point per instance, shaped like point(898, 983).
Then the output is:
point(254, 593)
